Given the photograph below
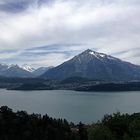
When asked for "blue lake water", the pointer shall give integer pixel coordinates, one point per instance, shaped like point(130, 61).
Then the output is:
point(75, 106)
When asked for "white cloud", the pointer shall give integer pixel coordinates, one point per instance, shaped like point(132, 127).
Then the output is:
point(52, 59)
point(109, 26)
point(8, 55)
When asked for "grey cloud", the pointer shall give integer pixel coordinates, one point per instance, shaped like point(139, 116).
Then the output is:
point(107, 26)
point(15, 6)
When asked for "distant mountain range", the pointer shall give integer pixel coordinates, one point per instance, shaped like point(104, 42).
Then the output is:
point(88, 64)
point(21, 71)
point(13, 71)
point(93, 65)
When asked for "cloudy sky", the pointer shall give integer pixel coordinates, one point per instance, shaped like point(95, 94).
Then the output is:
point(49, 32)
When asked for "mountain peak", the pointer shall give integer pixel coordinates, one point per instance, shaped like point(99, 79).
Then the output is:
point(97, 55)
point(88, 50)
point(94, 65)
point(91, 52)
point(27, 68)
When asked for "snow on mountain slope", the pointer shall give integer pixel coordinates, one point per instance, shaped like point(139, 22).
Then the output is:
point(28, 68)
point(13, 70)
point(100, 55)
point(94, 65)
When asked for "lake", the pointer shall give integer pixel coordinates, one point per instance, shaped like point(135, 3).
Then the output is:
point(75, 106)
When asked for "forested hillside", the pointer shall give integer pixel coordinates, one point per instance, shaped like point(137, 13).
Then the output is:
point(22, 126)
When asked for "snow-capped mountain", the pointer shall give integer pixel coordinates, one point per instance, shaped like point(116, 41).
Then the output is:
point(14, 71)
point(88, 64)
point(94, 65)
point(28, 68)
point(21, 71)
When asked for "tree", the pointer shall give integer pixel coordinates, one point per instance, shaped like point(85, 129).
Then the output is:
point(82, 132)
point(99, 132)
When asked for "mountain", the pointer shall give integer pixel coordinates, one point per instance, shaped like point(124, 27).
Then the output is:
point(21, 71)
point(41, 70)
point(3, 67)
point(93, 65)
point(28, 68)
point(13, 71)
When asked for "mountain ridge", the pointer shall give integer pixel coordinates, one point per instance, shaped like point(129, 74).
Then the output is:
point(95, 65)
point(14, 70)
point(88, 64)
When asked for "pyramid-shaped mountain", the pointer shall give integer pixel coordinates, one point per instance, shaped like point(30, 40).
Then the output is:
point(94, 65)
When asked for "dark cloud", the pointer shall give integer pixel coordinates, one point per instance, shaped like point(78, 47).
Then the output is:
point(15, 6)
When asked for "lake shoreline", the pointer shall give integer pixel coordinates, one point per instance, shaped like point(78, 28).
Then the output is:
point(98, 87)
